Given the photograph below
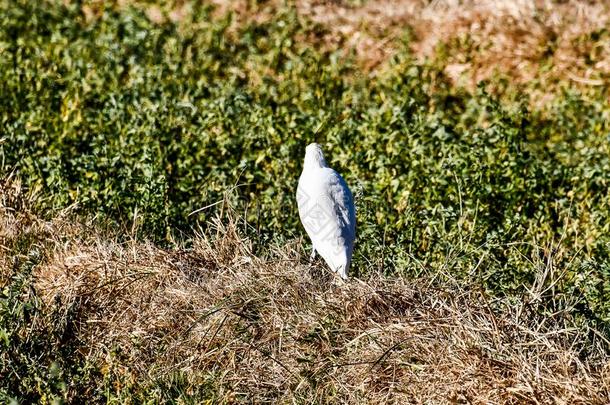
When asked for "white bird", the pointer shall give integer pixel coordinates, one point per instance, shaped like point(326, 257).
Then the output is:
point(326, 208)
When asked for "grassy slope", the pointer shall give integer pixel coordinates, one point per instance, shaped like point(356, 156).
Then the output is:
point(138, 121)
point(94, 318)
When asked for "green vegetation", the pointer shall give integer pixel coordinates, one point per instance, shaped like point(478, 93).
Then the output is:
point(142, 122)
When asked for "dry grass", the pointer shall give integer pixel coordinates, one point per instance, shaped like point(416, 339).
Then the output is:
point(277, 329)
point(526, 40)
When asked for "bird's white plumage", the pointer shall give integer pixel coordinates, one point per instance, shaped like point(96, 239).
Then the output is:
point(326, 208)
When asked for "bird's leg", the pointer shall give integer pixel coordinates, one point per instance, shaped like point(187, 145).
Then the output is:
point(313, 255)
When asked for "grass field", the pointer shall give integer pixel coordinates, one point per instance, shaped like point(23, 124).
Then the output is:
point(474, 136)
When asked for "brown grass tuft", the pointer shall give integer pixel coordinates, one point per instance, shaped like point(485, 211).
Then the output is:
point(274, 328)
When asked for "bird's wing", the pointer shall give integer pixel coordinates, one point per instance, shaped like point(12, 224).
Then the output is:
point(327, 212)
point(341, 199)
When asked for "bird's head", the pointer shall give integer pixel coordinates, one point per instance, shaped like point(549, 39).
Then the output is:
point(314, 157)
